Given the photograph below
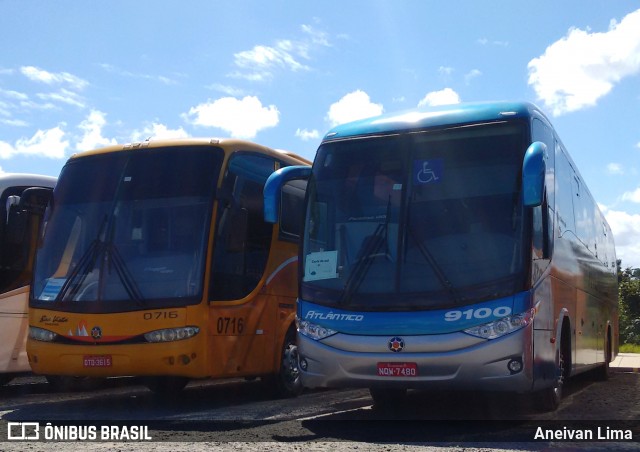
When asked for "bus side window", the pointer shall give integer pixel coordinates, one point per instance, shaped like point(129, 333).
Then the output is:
point(243, 238)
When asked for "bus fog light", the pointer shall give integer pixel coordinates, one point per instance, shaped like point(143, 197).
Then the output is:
point(304, 365)
point(171, 334)
point(515, 366)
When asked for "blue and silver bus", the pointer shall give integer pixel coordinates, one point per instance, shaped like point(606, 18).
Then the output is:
point(451, 248)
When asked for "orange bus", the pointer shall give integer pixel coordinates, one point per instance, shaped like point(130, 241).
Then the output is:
point(155, 261)
point(18, 234)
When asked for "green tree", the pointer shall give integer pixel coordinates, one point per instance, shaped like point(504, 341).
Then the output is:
point(629, 301)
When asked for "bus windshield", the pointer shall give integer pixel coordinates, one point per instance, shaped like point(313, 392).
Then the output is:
point(414, 221)
point(134, 237)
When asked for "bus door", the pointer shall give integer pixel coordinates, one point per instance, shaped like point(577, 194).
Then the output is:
point(242, 318)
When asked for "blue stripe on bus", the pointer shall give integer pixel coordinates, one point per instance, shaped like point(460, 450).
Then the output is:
point(413, 322)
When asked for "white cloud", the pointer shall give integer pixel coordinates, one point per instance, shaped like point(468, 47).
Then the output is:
point(317, 37)
point(445, 70)
point(306, 135)
point(50, 78)
point(633, 196)
point(353, 106)
point(15, 95)
point(138, 75)
point(261, 62)
point(158, 131)
point(241, 118)
point(485, 41)
point(92, 128)
point(65, 96)
point(580, 68)
point(615, 168)
point(226, 89)
point(471, 75)
point(44, 143)
point(626, 233)
point(14, 122)
point(445, 96)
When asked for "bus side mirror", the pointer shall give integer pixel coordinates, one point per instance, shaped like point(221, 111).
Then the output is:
point(533, 173)
point(273, 188)
point(34, 200)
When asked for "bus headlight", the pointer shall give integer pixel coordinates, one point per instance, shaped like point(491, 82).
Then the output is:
point(500, 327)
point(172, 334)
point(39, 334)
point(313, 331)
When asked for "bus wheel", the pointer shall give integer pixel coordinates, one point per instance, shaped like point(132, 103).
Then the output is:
point(287, 382)
point(65, 383)
point(549, 399)
point(166, 386)
point(602, 373)
point(387, 397)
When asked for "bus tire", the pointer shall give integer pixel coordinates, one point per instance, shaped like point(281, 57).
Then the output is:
point(387, 397)
point(286, 383)
point(549, 398)
point(602, 373)
point(166, 386)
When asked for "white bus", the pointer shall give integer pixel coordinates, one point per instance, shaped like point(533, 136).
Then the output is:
point(18, 235)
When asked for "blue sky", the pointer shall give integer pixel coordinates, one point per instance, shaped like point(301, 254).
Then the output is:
point(76, 75)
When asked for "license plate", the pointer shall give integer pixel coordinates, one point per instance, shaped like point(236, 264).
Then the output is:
point(397, 370)
point(97, 361)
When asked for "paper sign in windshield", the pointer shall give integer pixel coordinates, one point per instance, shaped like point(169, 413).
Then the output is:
point(321, 265)
point(52, 288)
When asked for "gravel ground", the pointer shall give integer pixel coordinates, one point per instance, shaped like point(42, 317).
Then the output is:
point(600, 403)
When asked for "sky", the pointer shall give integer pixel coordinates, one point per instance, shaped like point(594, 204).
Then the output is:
point(78, 75)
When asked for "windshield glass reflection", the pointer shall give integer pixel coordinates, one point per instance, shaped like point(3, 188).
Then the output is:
point(421, 220)
point(128, 229)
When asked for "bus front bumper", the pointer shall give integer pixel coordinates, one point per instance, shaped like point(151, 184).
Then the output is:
point(503, 364)
point(180, 358)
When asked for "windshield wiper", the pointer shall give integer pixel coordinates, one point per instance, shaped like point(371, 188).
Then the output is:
point(442, 278)
point(112, 256)
point(363, 264)
point(102, 245)
point(85, 265)
point(369, 251)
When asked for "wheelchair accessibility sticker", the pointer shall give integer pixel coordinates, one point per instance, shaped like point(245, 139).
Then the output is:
point(428, 171)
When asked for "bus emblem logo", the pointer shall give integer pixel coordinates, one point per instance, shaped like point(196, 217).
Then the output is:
point(396, 344)
point(96, 332)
